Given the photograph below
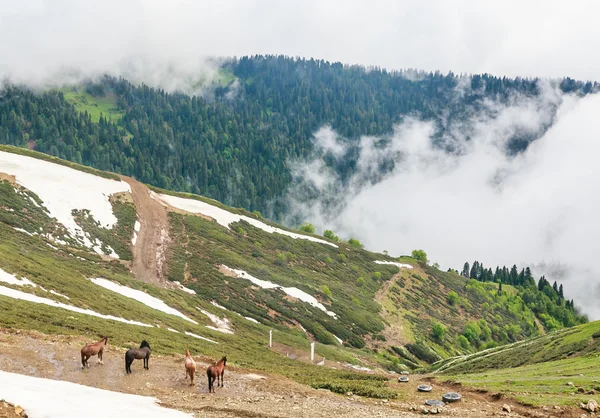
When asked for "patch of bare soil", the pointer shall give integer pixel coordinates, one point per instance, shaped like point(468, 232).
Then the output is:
point(9, 410)
point(7, 177)
point(246, 393)
point(394, 332)
point(150, 249)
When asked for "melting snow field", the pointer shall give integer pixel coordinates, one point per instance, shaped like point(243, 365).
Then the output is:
point(393, 263)
point(141, 297)
point(290, 291)
point(63, 189)
point(224, 217)
point(221, 324)
point(252, 320)
point(45, 398)
point(183, 288)
point(136, 229)
point(12, 279)
point(200, 337)
point(17, 294)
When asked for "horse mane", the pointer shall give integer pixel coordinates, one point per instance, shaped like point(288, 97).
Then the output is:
point(223, 360)
point(144, 344)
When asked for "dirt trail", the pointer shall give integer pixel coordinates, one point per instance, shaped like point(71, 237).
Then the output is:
point(150, 248)
point(246, 393)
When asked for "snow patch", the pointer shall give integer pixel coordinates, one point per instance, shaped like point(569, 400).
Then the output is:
point(185, 289)
point(136, 228)
point(361, 368)
point(290, 291)
point(59, 294)
point(141, 297)
point(221, 324)
point(393, 263)
point(173, 330)
point(252, 320)
point(17, 294)
point(225, 218)
point(12, 279)
point(63, 189)
point(200, 337)
point(339, 340)
point(215, 304)
point(23, 231)
point(59, 399)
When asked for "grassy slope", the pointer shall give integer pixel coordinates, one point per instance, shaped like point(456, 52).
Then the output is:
point(536, 371)
point(199, 245)
point(94, 106)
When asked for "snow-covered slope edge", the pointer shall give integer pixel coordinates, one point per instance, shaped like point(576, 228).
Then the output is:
point(63, 189)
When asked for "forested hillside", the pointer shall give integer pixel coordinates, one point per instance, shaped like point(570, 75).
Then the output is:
point(233, 145)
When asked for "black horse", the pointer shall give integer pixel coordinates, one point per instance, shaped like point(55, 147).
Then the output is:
point(137, 353)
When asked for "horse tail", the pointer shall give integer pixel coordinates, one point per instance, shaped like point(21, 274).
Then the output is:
point(82, 359)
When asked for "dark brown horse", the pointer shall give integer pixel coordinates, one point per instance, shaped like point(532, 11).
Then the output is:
point(92, 349)
point(137, 353)
point(214, 372)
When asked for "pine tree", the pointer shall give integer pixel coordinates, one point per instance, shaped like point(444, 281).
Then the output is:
point(560, 292)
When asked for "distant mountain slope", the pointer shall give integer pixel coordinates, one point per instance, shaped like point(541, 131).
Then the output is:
point(234, 144)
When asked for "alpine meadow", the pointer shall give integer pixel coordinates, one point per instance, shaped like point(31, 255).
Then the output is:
point(395, 225)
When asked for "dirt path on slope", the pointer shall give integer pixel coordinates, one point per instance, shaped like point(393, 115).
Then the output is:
point(149, 251)
point(246, 393)
point(395, 331)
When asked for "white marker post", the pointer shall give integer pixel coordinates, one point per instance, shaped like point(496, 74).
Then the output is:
point(270, 338)
point(312, 351)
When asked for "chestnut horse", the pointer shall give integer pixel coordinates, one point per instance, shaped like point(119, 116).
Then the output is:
point(190, 367)
point(92, 349)
point(137, 353)
point(214, 372)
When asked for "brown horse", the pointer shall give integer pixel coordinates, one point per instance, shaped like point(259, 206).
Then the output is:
point(214, 372)
point(137, 353)
point(92, 349)
point(190, 366)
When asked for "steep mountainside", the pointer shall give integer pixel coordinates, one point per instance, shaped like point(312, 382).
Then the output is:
point(234, 143)
point(89, 248)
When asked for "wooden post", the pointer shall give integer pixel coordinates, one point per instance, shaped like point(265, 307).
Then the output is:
point(270, 338)
point(312, 351)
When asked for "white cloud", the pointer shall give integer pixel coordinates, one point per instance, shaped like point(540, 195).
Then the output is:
point(166, 42)
point(479, 203)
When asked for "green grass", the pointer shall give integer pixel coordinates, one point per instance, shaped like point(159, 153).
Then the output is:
point(94, 106)
point(562, 344)
point(119, 237)
point(541, 384)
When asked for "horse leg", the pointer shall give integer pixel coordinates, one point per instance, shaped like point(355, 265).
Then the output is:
point(100, 357)
point(210, 388)
point(82, 361)
point(222, 373)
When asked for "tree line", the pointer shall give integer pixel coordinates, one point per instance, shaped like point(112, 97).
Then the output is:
point(234, 145)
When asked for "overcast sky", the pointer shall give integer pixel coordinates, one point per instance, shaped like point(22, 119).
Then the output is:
point(526, 38)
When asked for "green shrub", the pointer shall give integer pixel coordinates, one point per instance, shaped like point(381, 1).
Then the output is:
point(452, 297)
point(423, 352)
point(438, 331)
point(325, 290)
point(376, 275)
point(330, 235)
point(360, 282)
point(355, 243)
point(307, 227)
point(419, 255)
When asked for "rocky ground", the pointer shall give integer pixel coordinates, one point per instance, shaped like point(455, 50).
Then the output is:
point(246, 393)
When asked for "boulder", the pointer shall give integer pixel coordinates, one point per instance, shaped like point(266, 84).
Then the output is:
point(506, 408)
